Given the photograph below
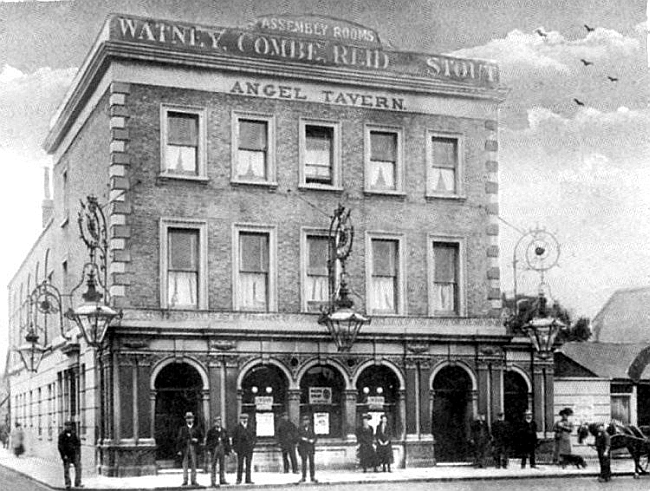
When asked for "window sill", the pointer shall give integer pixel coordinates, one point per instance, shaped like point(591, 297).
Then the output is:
point(377, 192)
point(321, 187)
point(163, 176)
point(452, 197)
point(265, 184)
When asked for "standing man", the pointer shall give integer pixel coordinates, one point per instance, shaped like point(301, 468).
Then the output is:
point(70, 451)
point(528, 440)
point(287, 438)
point(306, 448)
point(189, 437)
point(603, 444)
point(501, 436)
point(480, 440)
point(218, 446)
point(243, 442)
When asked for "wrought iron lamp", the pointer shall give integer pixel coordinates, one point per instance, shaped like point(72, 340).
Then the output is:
point(94, 315)
point(341, 319)
point(542, 329)
point(31, 352)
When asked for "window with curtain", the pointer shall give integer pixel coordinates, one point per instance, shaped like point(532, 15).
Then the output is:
point(183, 267)
point(444, 163)
point(252, 150)
point(182, 152)
point(317, 284)
point(382, 167)
point(319, 153)
point(620, 404)
point(383, 287)
point(445, 277)
point(253, 270)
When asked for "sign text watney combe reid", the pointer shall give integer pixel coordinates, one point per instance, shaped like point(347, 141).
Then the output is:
point(324, 52)
point(294, 92)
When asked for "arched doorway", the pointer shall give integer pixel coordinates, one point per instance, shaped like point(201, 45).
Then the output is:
point(178, 389)
point(377, 393)
point(264, 398)
point(515, 396)
point(321, 397)
point(452, 411)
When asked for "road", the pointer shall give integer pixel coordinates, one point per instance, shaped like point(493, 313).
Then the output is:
point(12, 481)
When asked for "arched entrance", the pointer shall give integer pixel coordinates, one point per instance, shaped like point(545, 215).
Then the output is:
point(264, 397)
point(515, 396)
point(178, 389)
point(321, 397)
point(377, 393)
point(452, 411)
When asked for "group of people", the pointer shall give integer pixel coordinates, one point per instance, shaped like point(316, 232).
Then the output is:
point(219, 443)
point(504, 439)
point(375, 445)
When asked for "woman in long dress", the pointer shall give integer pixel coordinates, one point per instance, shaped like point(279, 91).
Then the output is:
point(366, 440)
point(383, 438)
point(563, 429)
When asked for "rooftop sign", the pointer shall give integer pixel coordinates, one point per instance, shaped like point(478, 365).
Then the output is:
point(325, 42)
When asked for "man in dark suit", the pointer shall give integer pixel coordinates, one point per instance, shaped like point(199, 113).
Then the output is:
point(480, 440)
point(189, 437)
point(217, 444)
point(501, 435)
point(306, 448)
point(287, 438)
point(528, 440)
point(70, 451)
point(243, 442)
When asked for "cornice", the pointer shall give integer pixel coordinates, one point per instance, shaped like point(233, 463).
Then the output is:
point(99, 61)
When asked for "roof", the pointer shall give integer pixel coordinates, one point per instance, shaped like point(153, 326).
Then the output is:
point(606, 360)
point(625, 317)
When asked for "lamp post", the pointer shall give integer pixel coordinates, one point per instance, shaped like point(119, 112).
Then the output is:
point(343, 322)
point(31, 352)
point(94, 315)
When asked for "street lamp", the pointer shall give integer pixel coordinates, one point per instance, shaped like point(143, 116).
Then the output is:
point(31, 352)
point(94, 315)
point(343, 322)
point(542, 329)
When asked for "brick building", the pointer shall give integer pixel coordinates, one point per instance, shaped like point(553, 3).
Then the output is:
point(220, 155)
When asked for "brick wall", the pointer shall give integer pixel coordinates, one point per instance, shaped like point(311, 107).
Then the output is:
point(221, 203)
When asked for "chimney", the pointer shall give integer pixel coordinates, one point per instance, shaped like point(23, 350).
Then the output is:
point(48, 202)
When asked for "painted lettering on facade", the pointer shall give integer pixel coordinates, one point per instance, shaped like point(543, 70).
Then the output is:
point(326, 46)
point(334, 29)
point(297, 93)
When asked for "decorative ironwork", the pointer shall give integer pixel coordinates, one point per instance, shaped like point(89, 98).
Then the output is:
point(94, 315)
point(340, 317)
point(542, 252)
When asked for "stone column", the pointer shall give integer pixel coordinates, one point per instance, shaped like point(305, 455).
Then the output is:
point(496, 386)
point(483, 388)
point(539, 398)
point(411, 397)
point(215, 369)
point(425, 398)
point(549, 393)
point(233, 400)
point(293, 408)
point(349, 414)
point(401, 413)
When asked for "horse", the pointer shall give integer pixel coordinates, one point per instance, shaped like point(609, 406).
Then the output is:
point(622, 436)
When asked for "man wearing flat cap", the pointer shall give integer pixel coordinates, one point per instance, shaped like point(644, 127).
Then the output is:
point(243, 443)
point(189, 437)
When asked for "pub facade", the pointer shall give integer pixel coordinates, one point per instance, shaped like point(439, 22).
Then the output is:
point(218, 156)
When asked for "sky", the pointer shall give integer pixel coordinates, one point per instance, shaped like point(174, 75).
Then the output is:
point(581, 172)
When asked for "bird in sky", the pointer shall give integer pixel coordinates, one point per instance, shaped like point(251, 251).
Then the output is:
point(585, 62)
point(612, 79)
point(589, 29)
point(540, 31)
point(578, 102)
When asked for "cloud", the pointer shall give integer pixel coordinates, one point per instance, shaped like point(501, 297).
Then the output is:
point(27, 100)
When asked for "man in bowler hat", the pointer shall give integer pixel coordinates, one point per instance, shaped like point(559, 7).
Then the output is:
point(306, 448)
point(70, 451)
point(243, 442)
point(189, 437)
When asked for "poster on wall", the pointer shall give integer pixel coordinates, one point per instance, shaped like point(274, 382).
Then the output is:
point(322, 423)
point(320, 395)
point(264, 403)
point(375, 402)
point(265, 424)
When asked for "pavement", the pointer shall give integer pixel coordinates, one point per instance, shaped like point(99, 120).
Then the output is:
point(50, 473)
